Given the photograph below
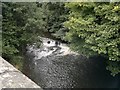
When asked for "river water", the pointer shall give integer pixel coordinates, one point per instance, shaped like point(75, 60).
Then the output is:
point(54, 65)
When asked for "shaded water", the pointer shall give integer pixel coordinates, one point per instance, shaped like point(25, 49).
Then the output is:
point(55, 66)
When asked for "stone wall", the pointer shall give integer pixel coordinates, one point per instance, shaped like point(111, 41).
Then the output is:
point(10, 77)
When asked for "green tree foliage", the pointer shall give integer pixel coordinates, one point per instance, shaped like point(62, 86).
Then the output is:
point(56, 19)
point(19, 28)
point(94, 28)
point(54, 15)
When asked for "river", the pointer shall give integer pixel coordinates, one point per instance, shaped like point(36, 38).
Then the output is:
point(54, 65)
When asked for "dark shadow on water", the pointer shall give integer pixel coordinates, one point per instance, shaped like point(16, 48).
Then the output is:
point(70, 71)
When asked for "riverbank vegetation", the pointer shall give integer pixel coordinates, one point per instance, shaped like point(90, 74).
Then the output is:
point(90, 28)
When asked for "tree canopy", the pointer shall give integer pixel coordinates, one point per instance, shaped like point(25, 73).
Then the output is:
point(94, 28)
point(18, 28)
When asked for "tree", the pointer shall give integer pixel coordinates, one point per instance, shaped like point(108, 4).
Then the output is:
point(94, 28)
point(19, 28)
point(55, 21)
point(54, 15)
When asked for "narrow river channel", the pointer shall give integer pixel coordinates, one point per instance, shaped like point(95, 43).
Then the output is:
point(54, 65)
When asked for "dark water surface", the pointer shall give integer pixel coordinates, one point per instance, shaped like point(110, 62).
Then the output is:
point(69, 71)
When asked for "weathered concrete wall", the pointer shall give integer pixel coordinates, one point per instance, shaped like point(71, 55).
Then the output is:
point(10, 77)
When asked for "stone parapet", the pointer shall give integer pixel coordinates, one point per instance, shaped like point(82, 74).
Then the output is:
point(10, 77)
